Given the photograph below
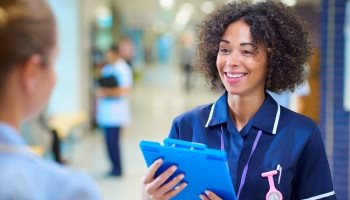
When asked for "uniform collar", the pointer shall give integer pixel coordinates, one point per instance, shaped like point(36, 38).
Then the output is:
point(268, 115)
point(120, 60)
point(9, 136)
point(266, 119)
point(218, 112)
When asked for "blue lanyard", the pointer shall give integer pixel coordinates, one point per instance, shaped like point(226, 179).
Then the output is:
point(245, 170)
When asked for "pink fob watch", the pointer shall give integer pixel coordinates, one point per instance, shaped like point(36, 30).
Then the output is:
point(273, 193)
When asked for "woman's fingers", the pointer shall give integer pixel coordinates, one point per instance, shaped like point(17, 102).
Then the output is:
point(152, 187)
point(162, 178)
point(203, 197)
point(175, 191)
point(212, 195)
point(170, 185)
point(152, 171)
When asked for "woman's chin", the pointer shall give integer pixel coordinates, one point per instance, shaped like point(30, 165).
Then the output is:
point(234, 91)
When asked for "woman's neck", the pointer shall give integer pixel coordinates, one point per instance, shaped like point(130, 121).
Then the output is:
point(10, 113)
point(12, 99)
point(243, 108)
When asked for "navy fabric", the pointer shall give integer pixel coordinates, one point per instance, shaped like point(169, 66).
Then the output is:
point(112, 140)
point(297, 147)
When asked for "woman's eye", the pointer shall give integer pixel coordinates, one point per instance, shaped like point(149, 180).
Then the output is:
point(224, 50)
point(247, 52)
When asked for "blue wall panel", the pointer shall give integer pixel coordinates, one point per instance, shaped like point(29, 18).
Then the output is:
point(339, 119)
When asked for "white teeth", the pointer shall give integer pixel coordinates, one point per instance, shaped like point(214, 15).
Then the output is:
point(234, 75)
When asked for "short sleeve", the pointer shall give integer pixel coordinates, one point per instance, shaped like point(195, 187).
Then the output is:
point(174, 131)
point(313, 177)
point(105, 71)
point(79, 186)
point(124, 76)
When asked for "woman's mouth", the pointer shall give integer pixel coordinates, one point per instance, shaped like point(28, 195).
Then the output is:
point(230, 75)
point(233, 78)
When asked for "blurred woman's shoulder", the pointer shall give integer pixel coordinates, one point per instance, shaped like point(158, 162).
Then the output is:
point(36, 178)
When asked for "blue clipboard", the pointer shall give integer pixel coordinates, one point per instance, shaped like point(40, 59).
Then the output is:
point(204, 169)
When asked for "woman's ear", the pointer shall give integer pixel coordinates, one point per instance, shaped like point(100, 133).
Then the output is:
point(31, 72)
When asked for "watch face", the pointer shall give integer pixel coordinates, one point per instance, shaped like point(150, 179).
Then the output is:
point(274, 196)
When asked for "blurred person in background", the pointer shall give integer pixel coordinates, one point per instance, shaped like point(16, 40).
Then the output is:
point(187, 51)
point(247, 49)
point(126, 50)
point(113, 106)
point(28, 52)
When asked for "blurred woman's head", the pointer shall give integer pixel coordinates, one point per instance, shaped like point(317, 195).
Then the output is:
point(112, 54)
point(28, 51)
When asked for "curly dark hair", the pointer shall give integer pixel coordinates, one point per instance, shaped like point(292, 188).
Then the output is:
point(275, 25)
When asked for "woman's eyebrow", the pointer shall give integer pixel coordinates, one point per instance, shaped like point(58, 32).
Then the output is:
point(226, 41)
point(243, 44)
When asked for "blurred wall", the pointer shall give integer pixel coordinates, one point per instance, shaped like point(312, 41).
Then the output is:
point(347, 59)
point(67, 95)
point(74, 87)
point(311, 13)
point(334, 119)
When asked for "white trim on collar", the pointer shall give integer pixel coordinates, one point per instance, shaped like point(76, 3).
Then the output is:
point(210, 115)
point(321, 196)
point(277, 119)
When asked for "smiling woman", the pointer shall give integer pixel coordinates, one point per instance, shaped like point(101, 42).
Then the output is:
point(273, 26)
point(247, 49)
point(241, 64)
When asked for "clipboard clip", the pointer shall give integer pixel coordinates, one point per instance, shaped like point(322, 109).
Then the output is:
point(183, 144)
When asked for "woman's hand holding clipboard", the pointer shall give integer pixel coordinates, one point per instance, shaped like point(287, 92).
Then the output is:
point(182, 170)
point(211, 196)
point(153, 189)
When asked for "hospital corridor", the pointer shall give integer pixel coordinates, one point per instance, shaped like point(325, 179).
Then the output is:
point(156, 100)
point(122, 70)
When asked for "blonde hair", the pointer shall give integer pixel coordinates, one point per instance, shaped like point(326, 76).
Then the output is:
point(27, 27)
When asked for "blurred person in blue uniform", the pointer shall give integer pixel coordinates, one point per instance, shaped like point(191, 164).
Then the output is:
point(113, 106)
point(126, 50)
point(28, 52)
point(187, 53)
point(247, 49)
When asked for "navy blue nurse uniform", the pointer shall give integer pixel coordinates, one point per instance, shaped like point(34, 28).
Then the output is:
point(289, 140)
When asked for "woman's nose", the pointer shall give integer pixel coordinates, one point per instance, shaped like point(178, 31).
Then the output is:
point(233, 59)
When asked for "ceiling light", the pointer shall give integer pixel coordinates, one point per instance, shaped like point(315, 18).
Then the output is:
point(166, 4)
point(257, 1)
point(208, 7)
point(290, 2)
point(183, 16)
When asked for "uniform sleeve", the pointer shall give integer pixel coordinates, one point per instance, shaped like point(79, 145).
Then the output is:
point(104, 70)
point(124, 77)
point(313, 177)
point(174, 131)
point(79, 186)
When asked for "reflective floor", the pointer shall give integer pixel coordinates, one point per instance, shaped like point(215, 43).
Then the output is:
point(157, 98)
